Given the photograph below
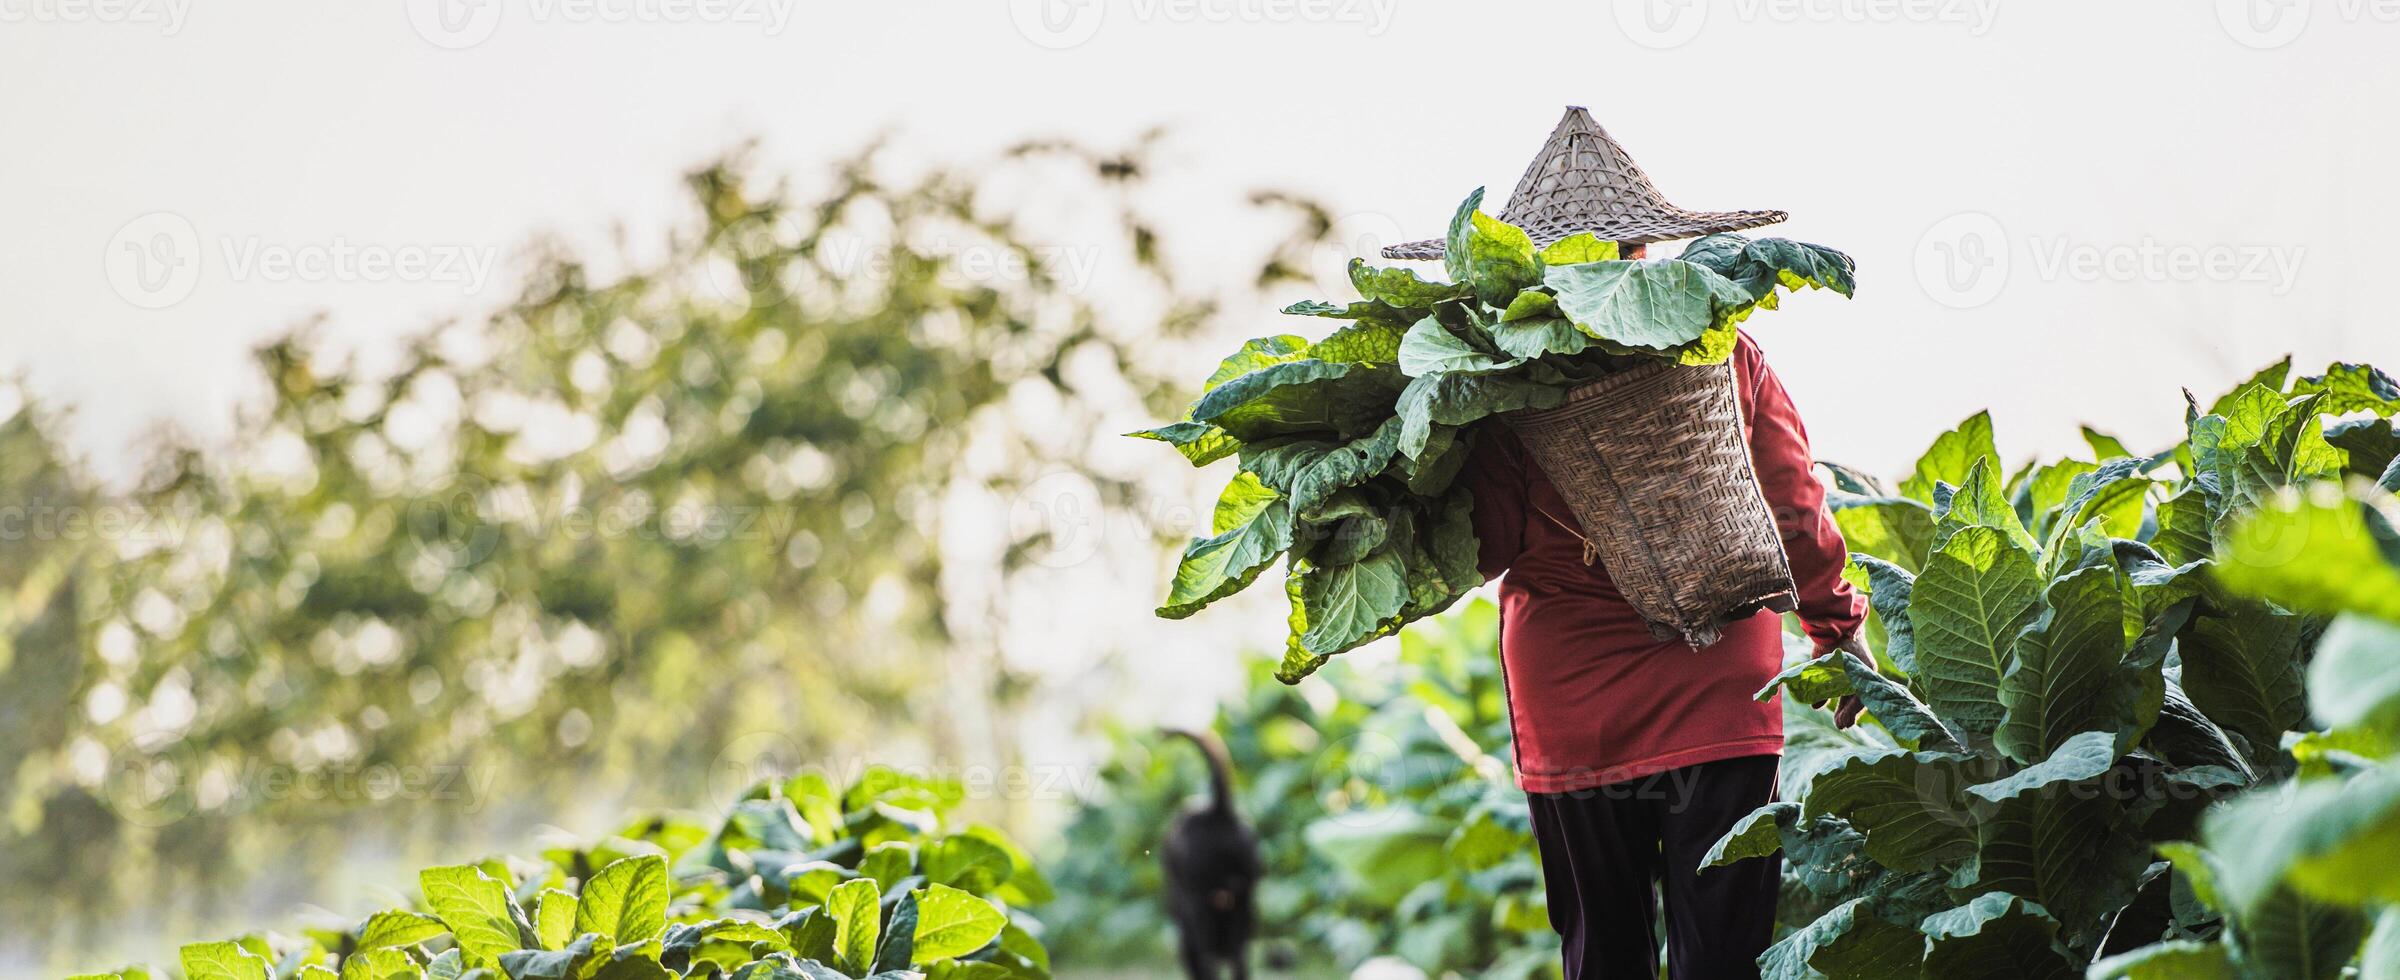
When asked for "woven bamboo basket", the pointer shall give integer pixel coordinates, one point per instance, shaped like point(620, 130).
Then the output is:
point(1654, 464)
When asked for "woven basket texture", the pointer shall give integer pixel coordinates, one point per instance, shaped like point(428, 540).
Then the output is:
point(1654, 465)
point(1583, 181)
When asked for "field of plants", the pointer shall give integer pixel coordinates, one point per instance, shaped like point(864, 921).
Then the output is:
point(2133, 716)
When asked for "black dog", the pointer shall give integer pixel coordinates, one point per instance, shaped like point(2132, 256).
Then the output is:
point(1212, 870)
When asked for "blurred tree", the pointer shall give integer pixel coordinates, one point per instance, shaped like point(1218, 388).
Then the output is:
point(642, 529)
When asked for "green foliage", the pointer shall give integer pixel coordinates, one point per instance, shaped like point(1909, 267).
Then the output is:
point(1349, 446)
point(680, 898)
point(2078, 665)
point(1389, 823)
point(536, 541)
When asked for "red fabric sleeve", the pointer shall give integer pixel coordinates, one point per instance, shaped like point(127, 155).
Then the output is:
point(1829, 608)
point(1496, 472)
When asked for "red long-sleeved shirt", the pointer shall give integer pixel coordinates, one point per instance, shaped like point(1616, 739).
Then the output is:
point(1593, 697)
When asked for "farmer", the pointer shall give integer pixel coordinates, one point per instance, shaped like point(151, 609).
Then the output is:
point(1638, 754)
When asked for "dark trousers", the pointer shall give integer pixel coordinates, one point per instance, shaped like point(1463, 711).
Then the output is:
point(1610, 851)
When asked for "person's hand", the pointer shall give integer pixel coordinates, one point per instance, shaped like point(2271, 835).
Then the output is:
point(1846, 710)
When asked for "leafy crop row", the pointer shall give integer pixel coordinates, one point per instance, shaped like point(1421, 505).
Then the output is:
point(797, 882)
point(2078, 661)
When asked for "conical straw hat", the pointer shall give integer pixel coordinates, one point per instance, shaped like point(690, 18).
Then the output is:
point(1583, 181)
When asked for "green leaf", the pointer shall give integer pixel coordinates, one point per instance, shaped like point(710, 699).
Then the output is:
point(1998, 936)
point(1200, 443)
point(626, 901)
point(559, 964)
point(2180, 959)
point(1889, 589)
point(394, 928)
point(2105, 446)
point(2186, 526)
point(1366, 342)
point(1657, 304)
point(1383, 853)
point(2317, 552)
point(1966, 610)
point(1978, 501)
point(2081, 758)
point(2352, 388)
point(1457, 399)
point(1541, 336)
point(952, 923)
point(1351, 604)
point(1216, 567)
point(899, 946)
point(1905, 803)
point(1756, 835)
point(2354, 680)
point(855, 907)
point(2243, 670)
point(2069, 678)
point(2288, 937)
point(1578, 248)
point(1399, 287)
point(1848, 941)
point(222, 961)
point(476, 908)
point(1430, 347)
point(1952, 456)
point(1500, 258)
point(2381, 958)
point(381, 964)
point(554, 918)
point(1812, 681)
point(1455, 257)
point(2314, 837)
point(1296, 397)
point(2064, 845)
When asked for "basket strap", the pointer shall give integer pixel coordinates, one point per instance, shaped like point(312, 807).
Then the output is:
point(1591, 552)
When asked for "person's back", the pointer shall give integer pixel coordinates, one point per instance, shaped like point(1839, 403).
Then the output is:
point(1638, 754)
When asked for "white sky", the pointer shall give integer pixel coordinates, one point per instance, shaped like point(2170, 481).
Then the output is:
point(2079, 127)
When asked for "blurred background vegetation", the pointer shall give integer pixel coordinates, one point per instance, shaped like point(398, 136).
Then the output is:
point(754, 504)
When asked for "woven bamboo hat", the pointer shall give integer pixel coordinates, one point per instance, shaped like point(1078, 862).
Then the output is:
point(1583, 181)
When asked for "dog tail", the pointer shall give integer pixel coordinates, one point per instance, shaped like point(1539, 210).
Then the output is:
point(1220, 766)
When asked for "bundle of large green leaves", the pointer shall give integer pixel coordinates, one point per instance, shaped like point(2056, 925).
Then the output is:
point(2073, 668)
point(799, 880)
point(1350, 446)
